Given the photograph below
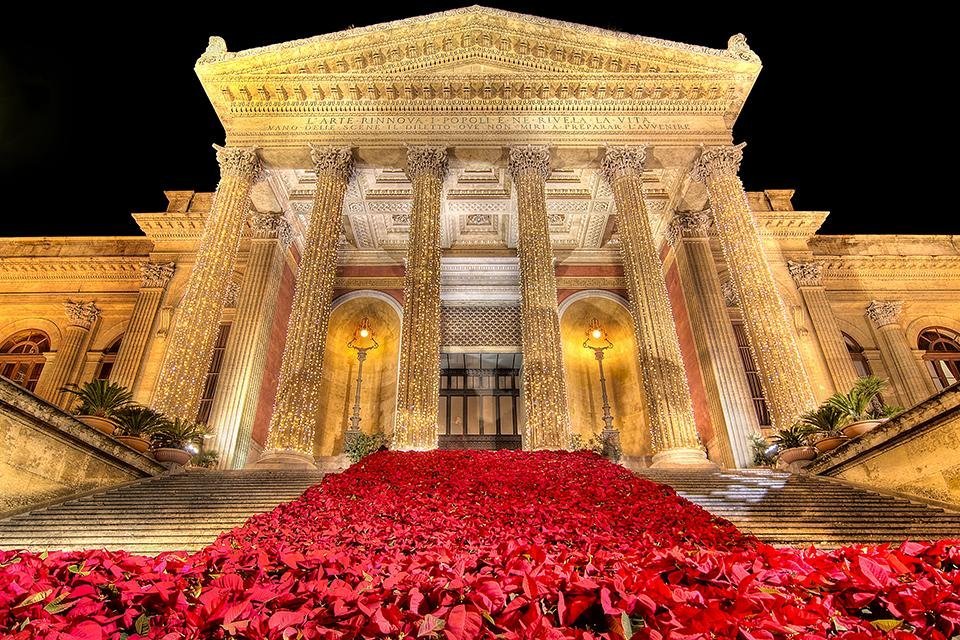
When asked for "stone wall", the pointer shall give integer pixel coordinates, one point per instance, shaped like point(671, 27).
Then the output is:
point(47, 454)
point(917, 453)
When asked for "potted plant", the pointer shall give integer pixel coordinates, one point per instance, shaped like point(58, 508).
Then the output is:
point(137, 424)
point(205, 460)
point(860, 407)
point(792, 444)
point(823, 425)
point(762, 451)
point(100, 400)
point(177, 440)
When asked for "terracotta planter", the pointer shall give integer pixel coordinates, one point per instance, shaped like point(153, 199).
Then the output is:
point(135, 442)
point(106, 425)
point(829, 442)
point(797, 454)
point(860, 427)
point(176, 456)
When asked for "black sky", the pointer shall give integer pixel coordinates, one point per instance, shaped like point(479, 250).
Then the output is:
point(847, 110)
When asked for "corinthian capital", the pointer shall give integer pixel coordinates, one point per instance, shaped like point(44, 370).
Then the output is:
point(884, 312)
point(806, 274)
point(530, 159)
point(271, 225)
point(333, 161)
point(81, 314)
point(718, 160)
point(242, 162)
point(689, 224)
point(619, 161)
point(426, 160)
point(156, 276)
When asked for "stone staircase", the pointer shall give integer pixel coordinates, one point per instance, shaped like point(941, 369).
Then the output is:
point(184, 511)
point(800, 510)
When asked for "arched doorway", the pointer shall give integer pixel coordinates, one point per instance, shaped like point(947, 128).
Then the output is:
point(22, 359)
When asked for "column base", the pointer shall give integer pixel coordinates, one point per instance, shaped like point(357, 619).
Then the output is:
point(284, 459)
point(682, 458)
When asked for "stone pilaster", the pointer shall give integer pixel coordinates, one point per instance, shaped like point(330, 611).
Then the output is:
point(544, 387)
point(418, 389)
point(291, 437)
point(808, 277)
point(728, 391)
point(910, 382)
point(81, 317)
point(135, 338)
point(772, 340)
point(235, 405)
point(191, 342)
point(673, 431)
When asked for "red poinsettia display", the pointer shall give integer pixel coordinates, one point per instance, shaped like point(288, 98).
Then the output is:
point(468, 544)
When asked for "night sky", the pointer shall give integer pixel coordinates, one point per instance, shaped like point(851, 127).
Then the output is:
point(77, 155)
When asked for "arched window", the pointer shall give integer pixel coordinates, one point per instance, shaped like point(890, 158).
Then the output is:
point(108, 359)
point(22, 359)
point(860, 363)
point(942, 355)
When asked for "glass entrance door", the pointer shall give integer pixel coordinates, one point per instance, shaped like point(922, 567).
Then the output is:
point(479, 400)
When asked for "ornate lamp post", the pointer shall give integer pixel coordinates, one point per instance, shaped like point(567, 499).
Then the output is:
point(363, 335)
point(598, 341)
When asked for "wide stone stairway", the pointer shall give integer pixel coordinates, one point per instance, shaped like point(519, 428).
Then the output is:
point(799, 510)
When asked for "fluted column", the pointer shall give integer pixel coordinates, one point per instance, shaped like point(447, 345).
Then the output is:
point(291, 436)
point(728, 392)
point(418, 389)
point(135, 338)
point(191, 342)
point(547, 424)
point(238, 391)
point(909, 380)
point(673, 431)
point(808, 277)
point(81, 316)
point(772, 340)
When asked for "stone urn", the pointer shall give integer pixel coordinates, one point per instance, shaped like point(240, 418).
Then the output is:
point(135, 442)
point(861, 427)
point(829, 442)
point(104, 425)
point(797, 454)
point(175, 456)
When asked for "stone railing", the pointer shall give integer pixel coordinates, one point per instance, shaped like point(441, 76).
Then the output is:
point(47, 454)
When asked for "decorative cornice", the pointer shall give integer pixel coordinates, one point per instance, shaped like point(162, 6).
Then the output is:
point(171, 227)
point(806, 274)
point(884, 312)
point(426, 161)
point(789, 225)
point(156, 275)
point(689, 224)
point(81, 314)
point(85, 268)
point(857, 270)
point(334, 161)
point(618, 161)
point(241, 162)
point(737, 47)
point(269, 226)
point(530, 159)
point(717, 160)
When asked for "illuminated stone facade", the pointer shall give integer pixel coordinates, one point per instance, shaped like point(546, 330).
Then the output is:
point(519, 175)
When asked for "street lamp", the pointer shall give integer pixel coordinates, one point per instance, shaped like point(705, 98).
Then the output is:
point(598, 341)
point(361, 342)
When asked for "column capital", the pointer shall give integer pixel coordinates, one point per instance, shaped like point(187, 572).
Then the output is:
point(333, 161)
point(717, 160)
point(81, 314)
point(156, 275)
point(270, 225)
point(806, 274)
point(530, 159)
point(426, 160)
point(242, 162)
point(689, 224)
point(884, 312)
point(619, 161)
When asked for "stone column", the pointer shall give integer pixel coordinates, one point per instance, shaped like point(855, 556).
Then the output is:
point(808, 277)
point(81, 317)
point(728, 391)
point(909, 380)
point(772, 340)
point(235, 405)
point(673, 431)
point(291, 437)
point(418, 389)
point(191, 342)
point(547, 423)
point(135, 338)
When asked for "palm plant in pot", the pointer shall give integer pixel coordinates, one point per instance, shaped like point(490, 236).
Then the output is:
point(100, 401)
point(178, 440)
point(824, 425)
point(137, 425)
point(792, 444)
point(861, 407)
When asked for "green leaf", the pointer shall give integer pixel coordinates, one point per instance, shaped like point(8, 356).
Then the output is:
point(142, 625)
point(57, 605)
point(40, 596)
point(627, 625)
point(79, 569)
point(13, 560)
point(23, 625)
point(886, 625)
point(43, 556)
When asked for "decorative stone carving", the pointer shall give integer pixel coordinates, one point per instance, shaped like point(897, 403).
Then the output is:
point(271, 225)
point(884, 312)
point(232, 296)
point(333, 160)
point(431, 160)
point(239, 161)
point(729, 293)
point(216, 51)
point(737, 47)
point(530, 159)
point(82, 314)
point(688, 224)
point(725, 159)
point(618, 160)
point(157, 275)
point(806, 274)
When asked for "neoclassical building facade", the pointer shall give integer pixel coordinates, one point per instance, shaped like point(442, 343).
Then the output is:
point(462, 198)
